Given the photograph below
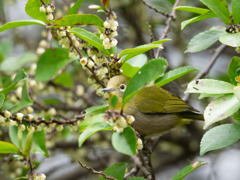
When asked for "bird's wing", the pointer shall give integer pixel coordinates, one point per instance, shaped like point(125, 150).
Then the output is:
point(154, 99)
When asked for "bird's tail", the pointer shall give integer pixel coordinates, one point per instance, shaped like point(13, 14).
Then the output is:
point(192, 116)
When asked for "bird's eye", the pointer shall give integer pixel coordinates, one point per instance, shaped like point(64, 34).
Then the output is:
point(122, 87)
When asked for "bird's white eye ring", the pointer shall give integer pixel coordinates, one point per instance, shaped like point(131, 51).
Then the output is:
point(122, 87)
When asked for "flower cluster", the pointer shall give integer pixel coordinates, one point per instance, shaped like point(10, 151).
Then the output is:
point(114, 66)
point(233, 29)
point(109, 33)
point(118, 120)
point(48, 9)
point(39, 177)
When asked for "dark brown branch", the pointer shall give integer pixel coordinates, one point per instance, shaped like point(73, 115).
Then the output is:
point(156, 10)
point(43, 2)
point(96, 172)
point(168, 23)
point(206, 70)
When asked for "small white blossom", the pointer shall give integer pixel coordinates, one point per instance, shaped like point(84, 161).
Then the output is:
point(19, 116)
point(106, 43)
point(50, 17)
point(59, 127)
point(49, 9)
point(40, 50)
point(7, 114)
point(83, 61)
point(90, 64)
point(42, 9)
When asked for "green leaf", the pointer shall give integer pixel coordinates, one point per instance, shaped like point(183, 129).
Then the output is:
point(64, 79)
point(78, 19)
point(149, 72)
point(220, 8)
point(21, 178)
point(125, 142)
point(205, 39)
point(116, 171)
point(90, 130)
point(95, 110)
point(90, 120)
point(114, 101)
point(210, 86)
point(40, 141)
point(90, 38)
point(187, 170)
point(219, 137)
point(204, 95)
point(75, 7)
point(5, 48)
point(25, 100)
point(2, 98)
point(19, 77)
point(220, 108)
point(232, 40)
point(28, 144)
point(50, 62)
point(236, 116)
point(140, 49)
point(6, 147)
point(15, 24)
point(192, 9)
point(32, 8)
point(174, 74)
point(234, 69)
point(202, 17)
point(13, 64)
point(236, 11)
point(131, 66)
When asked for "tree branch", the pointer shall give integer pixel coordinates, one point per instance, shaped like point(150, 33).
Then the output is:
point(97, 172)
point(168, 23)
point(206, 70)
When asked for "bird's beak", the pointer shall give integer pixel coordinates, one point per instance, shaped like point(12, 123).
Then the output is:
point(108, 90)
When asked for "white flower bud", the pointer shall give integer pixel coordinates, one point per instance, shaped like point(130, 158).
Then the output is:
point(113, 34)
point(22, 127)
point(19, 116)
point(106, 43)
point(31, 128)
point(72, 54)
point(130, 119)
point(62, 33)
point(2, 119)
point(139, 144)
point(52, 112)
point(91, 80)
point(42, 176)
point(103, 36)
point(118, 129)
point(50, 17)
point(43, 43)
point(79, 90)
point(106, 24)
point(90, 64)
point(30, 109)
point(42, 9)
point(113, 42)
point(7, 114)
point(29, 117)
point(49, 9)
point(40, 50)
point(59, 127)
point(83, 61)
point(121, 122)
point(73, 127)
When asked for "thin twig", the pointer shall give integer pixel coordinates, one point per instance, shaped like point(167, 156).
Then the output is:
point(156, 10)
point(97, 172)
point(206, 70)
point(43, 2)
point(168, 23)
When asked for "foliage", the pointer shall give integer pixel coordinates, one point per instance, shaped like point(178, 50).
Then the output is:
point(81, 45)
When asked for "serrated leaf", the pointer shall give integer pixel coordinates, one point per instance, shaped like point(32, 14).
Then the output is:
point(90, 38)
point(131, 66)
point(202, 17)
point(187, 170)
point(149, 72)
point(32, 8)
point(95, 110)
point(50, 62)
point(2, 98)
point(75, 7)
point(174, 74)
point(205, 39)
point(90, 130)
point(220, 109)
point(140, 49)
point(220, 8)
point(234, 69)
point(15, 24)
point(235, 4)
point(125, 142)
point(219, 137)
point(25, 100)
point(16, 63)
point(6, 147)
point(232, 40)
point(210, 86)
point(39, 140)
point(78, 19)
point(116, 171)
point(192, 9)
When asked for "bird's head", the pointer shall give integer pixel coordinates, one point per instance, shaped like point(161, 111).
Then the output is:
point(116, 86)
